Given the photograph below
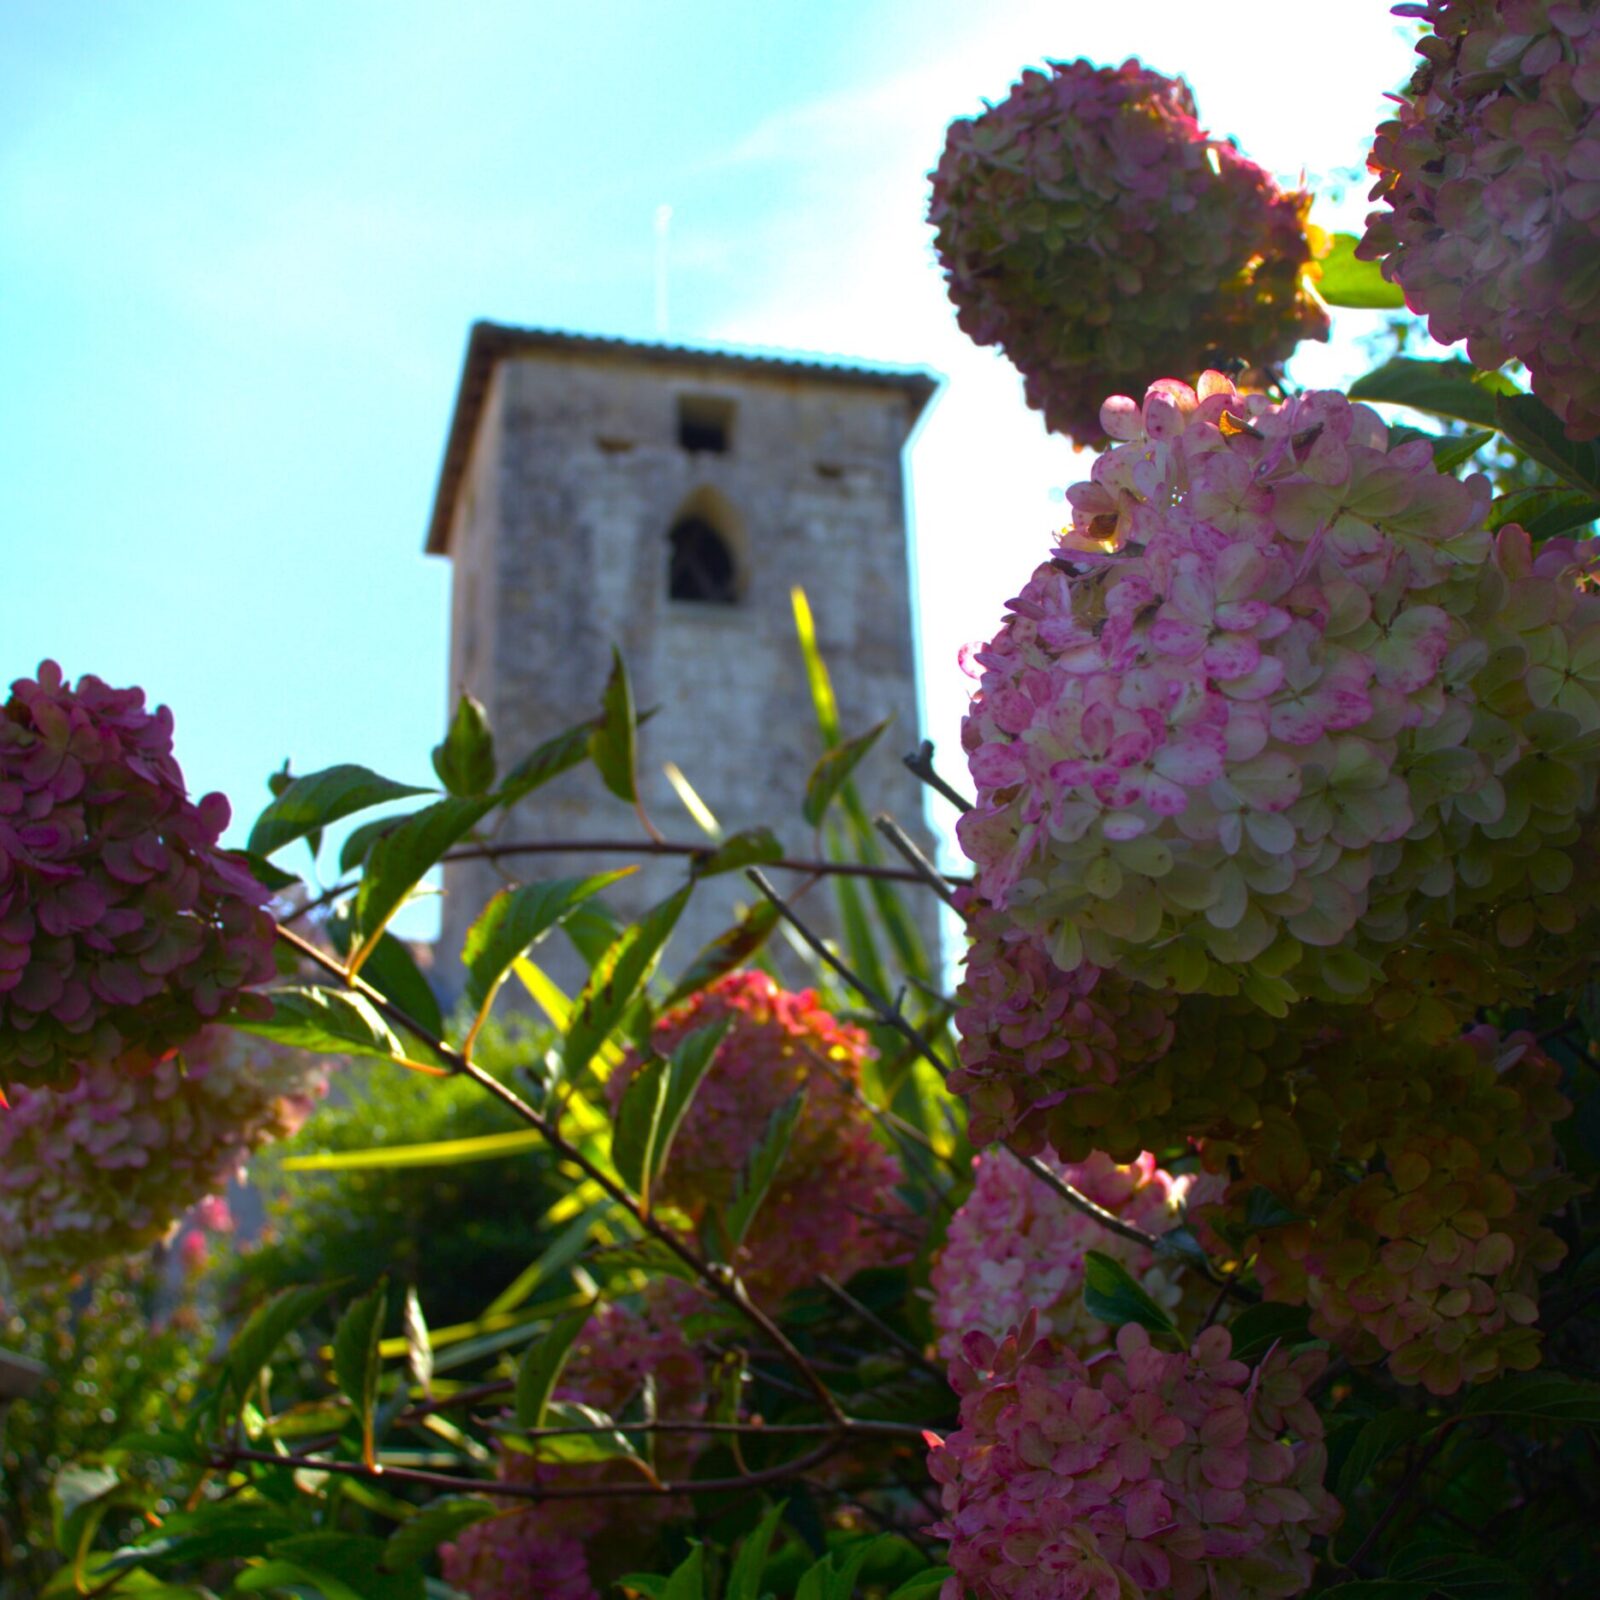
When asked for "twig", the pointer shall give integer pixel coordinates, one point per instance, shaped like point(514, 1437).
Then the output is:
point(875, 1322)
point(914, 858)
point(920, 762)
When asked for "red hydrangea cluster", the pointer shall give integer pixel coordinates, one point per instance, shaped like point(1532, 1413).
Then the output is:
point(1408, 1185)
point(108, 1166)
point(833, 1206)
point(1277, 703)
point(1017, 1246)
point(1137, 1472)
point(1089, 227)
point(1490, 180)
point(123, 928)
point(571, 1548)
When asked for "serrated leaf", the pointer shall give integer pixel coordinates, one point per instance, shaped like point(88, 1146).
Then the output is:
point(1257, 1328)
point(1378, 1439)
point(749, 847)
point(833, 770)
point(266, 1328)
point(330, 1020)
point(465, 760)
point(400, 860)
point(392, 970)
point(1537, 431)
point(357, 1364)
point(744, 1581)
point(319, 798)
point(613, 744)
point(762, 1169)
point(616, 978)
point(511, 924)
point(1452, 388)
point(1111, 1294)
point(541, 1365)
point(1452, 452)
point(1353, 284)
point(566, 750)
point(419, 1536)
point(1544, 511)
point(731, 949)
point(1537, 1397)
point(638, 1120)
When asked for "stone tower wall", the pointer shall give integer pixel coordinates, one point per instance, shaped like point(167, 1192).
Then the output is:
point(560, 546)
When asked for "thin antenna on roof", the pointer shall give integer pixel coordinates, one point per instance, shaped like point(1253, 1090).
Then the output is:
point(663, 224)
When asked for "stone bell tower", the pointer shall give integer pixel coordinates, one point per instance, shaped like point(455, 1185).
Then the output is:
point(666, 500)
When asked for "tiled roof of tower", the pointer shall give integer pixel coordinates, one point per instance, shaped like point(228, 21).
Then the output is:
point(492, 342)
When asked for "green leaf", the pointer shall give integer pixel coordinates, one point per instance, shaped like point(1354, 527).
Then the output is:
point(511, 924)
point(616, 978)
point(840, 1582)
point(744, 1581)
point(328, 1020)
point(1257, 1328)
point(1263, 1209)
point(638, 1121)
point(266, 1328)
point(566, 750)
point(613, 744)
point(1536, 430)
point(360, 840)
point(440, 1520)
point(1111, 1294)
point(688, 1581)
point(352, 1562)
point(750, 847)
point(924, 1585)
point(73, 1494)
point(264, 872)
point(1544, 511)
point(540, 1368)
point(1378, 1439)
point(436, 1153)
point(557, 1256)
point(817, 679)
point(312, 802)
point(831, 772)
point(227, 1530)
point(392, 970)
point(762, 1169)
point(1459, 1572)
point(356, 1362)
point(1355, 285)
point(1537, 1397)
point(731, 949)
point(1445, 388)
point(465, 761)
point(603, 1440)
point(1379, 1589)
point(1455, 451)
point(419, 1346)
point(398, 861)
point(690, 1062)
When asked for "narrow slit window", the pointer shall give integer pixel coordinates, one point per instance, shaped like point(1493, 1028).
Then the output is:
point(700, 566)
point(705, 425)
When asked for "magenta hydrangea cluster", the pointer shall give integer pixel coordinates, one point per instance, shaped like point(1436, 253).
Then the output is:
point(1278, 703)
point(1138, 1472)
point(1089, 227)
point(1489, 177)
point(571, 1548)
point(108, 1166)
point(1016, 1245)
point(123, 928)
point(1408, 1185)
point(833, 1207)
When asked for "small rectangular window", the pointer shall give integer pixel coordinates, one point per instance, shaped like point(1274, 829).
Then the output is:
point(704, 424)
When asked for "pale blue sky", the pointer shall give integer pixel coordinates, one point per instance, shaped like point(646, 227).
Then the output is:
point(241, 244)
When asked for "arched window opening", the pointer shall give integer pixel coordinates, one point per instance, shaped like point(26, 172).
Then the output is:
point(701, 565)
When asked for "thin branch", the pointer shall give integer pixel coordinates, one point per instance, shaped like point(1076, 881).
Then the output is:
point(914, 858)
point(878, 1325)
point(725, 1285)
point(920, 762)
point(626, 847)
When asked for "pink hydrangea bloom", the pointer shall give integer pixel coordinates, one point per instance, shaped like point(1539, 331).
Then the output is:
point(833, 1207)
point(1017, 1246)
point(1490, 180)
point(123, 928)
point(1090, 227)
point(108, 1166)
point(1275, 704)
point(1135, 1473)
point(570, 1549)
